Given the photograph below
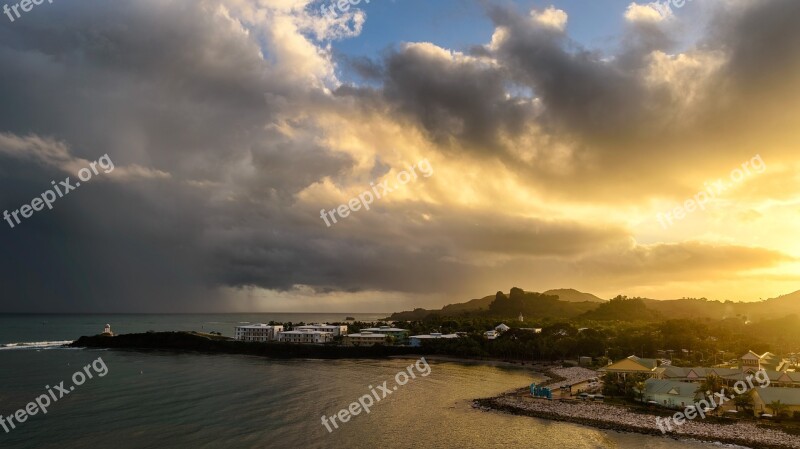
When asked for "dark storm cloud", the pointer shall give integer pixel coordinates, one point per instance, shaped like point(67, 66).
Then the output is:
point(366, 68)
point(465, 100)
point(580, 90)
point(102, 247)
point(396, 250)
point(760, 77)
point(762, 39)
point(170, 87)
point(468, 98)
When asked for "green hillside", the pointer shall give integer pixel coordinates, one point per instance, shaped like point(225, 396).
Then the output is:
point(572, 295)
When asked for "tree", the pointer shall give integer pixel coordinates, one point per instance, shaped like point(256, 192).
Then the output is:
point(622, 309)
point(631, 386)
point(778, 408)
point(611, 385)
point(711, 383)
point(744, 401)
point(637, 391)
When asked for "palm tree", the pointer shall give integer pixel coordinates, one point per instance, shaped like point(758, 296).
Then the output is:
point(638, 390)
point(778, 408)
point(711, 383)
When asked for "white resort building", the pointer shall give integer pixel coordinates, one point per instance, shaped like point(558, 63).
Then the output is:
point(365, 338)
point(336, 329)
point(416, 340)
point(305, 336)
point(399, 335)
point(257, 332)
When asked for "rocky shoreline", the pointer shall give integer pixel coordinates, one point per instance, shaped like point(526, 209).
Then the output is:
point(619, 418)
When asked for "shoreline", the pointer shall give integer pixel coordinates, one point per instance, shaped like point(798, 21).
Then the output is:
point(621, 419)
point(186, 341)
point(538, 368)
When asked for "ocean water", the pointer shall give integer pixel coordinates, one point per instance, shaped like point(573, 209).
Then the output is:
point(168, 400)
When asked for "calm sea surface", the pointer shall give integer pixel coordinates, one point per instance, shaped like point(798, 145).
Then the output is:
point(164, 400)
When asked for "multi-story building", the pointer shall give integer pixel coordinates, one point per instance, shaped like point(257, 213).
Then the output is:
point(416, 340)
point(336, 329)
point(752, 362)
point(257, 332)
point(365, 338)
point(305, 336)
point(400, 335)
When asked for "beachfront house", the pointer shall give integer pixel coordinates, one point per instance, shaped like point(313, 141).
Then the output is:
point(668, 393)
point(365, 338)
point(632, 365)
point(784, 379)
point(257, 332)
point(789, 397)
point(502, 327)
point(416, 340)
point(690, 374)
point(728, 375)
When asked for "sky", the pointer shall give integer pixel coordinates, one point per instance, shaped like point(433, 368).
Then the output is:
point(258, 155)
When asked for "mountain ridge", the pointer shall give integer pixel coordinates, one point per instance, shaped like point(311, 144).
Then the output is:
point(568, 303)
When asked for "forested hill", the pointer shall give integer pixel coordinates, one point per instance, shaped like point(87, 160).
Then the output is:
point(541, 305)
point(572, 295)
point(566, 304)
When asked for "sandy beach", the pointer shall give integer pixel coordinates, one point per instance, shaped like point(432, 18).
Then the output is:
point(538, 367)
